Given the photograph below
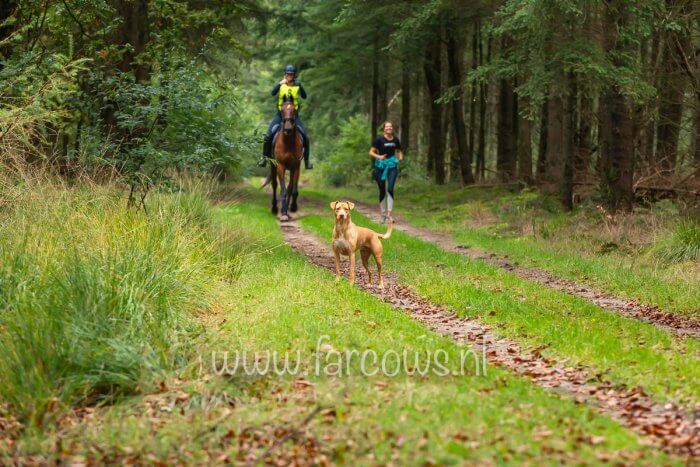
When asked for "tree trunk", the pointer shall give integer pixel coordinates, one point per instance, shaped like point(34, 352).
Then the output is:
point(132, 35)
point(455, 80)
point(617, 151)
point(505, 150)
point(569, 103)
point(405, 107)
point(427, 105)
point(671, 93)
point(542, 143)
point(697, 133)
point(584, 142)
point(7, 9)
point(417, 91)
point(649, 131)
point(472, 100)
point(133, 31)
point(436, 145)
point(374, 115)
point(383, 111)
point(524, 150)
point(617, 125)
point(554, 162)
point(481, 149)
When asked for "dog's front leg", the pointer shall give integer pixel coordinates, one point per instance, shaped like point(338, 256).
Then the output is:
point(352, 267)
point(336, 259)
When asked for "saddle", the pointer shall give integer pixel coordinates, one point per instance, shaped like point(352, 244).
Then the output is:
point(276, 132)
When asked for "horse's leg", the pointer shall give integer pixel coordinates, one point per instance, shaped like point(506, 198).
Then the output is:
point(273, 178)
point(283, 191)
point(294, 187)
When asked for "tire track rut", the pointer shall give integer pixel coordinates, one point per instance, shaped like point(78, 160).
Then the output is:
point(671, 322)
point(674, 428)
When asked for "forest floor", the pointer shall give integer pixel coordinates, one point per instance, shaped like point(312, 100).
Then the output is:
point(561, 379)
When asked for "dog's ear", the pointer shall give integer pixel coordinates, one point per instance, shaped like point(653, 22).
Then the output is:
point(333, 203)
point(351, 205)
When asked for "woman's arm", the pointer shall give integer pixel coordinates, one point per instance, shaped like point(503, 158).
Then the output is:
point(399, 153)
point(373, 153)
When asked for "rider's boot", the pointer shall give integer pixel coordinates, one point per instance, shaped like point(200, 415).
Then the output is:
point(267, 151)
point(307, 165)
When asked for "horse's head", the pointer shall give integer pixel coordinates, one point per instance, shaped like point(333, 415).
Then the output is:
point(288, 115)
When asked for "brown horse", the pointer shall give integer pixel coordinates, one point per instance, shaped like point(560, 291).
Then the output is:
point(288, 151)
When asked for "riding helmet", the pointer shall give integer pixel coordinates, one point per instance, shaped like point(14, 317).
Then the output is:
point(290, 69)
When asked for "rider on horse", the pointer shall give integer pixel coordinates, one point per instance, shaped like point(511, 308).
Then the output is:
point(288, 87)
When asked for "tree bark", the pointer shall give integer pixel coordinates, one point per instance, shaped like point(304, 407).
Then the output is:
point(617, 125)
point(649, 131)
point(524, 150)
point(374, 115)
point(132, 33)
point(481, 149)
point(405, 107)
point(671, 91)
point(542, 143)
point(433, 76)
point(383, 111)
point(696, 119)
point(455, 81)
point(553, 167)
point(473, 100)
point(584, 141)
point(505, 150)
point(569, 103)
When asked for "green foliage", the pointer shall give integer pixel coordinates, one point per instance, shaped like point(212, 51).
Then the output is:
point(95, 100)
point(348, 161)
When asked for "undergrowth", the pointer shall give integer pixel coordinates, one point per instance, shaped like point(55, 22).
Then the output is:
point(97, 300)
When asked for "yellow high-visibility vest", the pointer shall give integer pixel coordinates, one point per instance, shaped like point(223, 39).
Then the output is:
point(287, 90)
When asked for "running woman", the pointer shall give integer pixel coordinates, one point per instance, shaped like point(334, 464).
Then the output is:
point(386, 151)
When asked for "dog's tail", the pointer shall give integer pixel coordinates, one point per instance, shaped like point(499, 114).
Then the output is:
point(388, 231)
point(267, 181)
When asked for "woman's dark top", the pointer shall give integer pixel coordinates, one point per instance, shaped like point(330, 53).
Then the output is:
point(386, 147)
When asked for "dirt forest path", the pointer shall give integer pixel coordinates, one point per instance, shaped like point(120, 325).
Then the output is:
point(673, 428)
point(672, 322)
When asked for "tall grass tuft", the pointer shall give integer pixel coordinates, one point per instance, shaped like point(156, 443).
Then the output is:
point(97, 300)
point(683, 244)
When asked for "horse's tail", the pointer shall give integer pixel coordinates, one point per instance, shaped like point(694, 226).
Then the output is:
point(388, 232)
point(267, 181)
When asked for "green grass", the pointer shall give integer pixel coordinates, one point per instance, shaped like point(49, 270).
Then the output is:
point(281, 302)
point(96, 300)
point(571, 329)
point(682, 245)
point(611, 254)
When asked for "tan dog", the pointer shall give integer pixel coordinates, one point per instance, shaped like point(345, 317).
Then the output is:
point(348, 238)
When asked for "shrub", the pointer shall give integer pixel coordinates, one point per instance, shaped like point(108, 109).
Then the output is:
point(348, 162)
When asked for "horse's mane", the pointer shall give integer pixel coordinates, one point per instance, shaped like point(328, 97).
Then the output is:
point(288, 100)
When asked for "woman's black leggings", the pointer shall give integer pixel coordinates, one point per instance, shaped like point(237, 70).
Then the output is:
point(387, 202)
